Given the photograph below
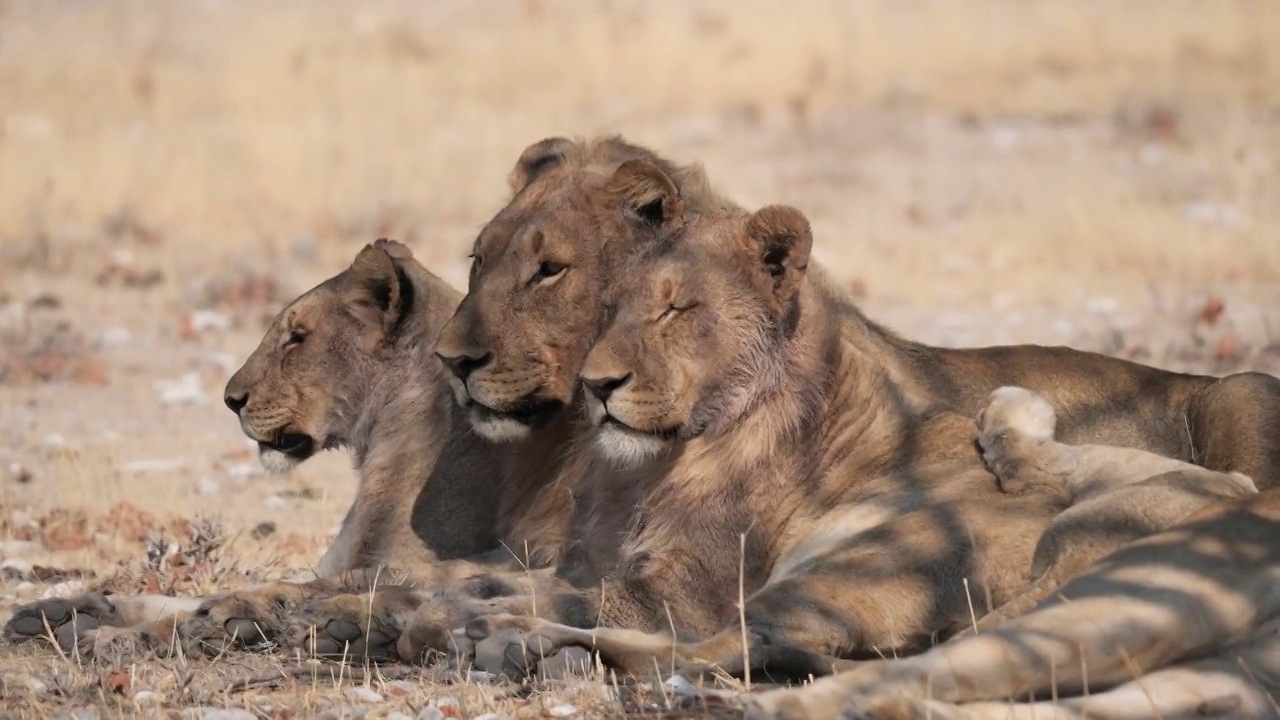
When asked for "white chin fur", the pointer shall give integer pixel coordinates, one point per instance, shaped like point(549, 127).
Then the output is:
point(499, 429)
point(276, 462)
point(625, 448)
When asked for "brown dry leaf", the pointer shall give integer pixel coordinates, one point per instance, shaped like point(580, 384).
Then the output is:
point(116, 681)
point(1212, 310)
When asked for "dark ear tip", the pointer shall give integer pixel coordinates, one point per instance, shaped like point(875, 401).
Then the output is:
point(780, 221)
point(394, 248)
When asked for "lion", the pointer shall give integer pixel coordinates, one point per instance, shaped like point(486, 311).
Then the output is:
point(540, 272)
point(742, 398)
point(1183, 623)
point(563, 191)
point(347, 365)
point(788, 448)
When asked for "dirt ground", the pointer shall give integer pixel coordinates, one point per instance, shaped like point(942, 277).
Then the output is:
point(1092, 173)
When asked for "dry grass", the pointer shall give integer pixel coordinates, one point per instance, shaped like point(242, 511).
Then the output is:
point(1100, 173)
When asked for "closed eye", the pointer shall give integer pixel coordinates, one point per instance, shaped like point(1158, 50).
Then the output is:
point(673, 310)
point(548, 270)
point(295, 338)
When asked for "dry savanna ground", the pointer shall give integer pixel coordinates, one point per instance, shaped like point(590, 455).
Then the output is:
point(1095, 173)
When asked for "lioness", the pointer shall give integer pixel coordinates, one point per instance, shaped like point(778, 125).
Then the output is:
point(742, 397)
point(348, 364)
point(842, 454)
point(1181, 624)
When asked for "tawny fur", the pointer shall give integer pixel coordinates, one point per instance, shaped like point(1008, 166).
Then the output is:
point(1184, 623)
point(348, 365)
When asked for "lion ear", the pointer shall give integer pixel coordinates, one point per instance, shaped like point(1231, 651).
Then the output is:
point(780, 240)
point(378, 280)
point(536, 159)
point(646, 193)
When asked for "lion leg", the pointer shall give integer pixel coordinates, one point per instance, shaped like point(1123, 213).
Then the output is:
point(257, 616)
point(405, 623)
point(1230, 684)
point(135, 622)
point(1015, 432)
point(1234, 425)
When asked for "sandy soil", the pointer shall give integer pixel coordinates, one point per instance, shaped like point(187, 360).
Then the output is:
point(1092, 173)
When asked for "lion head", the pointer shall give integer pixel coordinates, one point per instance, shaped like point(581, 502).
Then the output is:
point(303, 387)
point(697, 336)
point(539, 268)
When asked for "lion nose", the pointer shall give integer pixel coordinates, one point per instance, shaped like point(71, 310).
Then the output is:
point(603, 387)
point(463, 365)
point(236, 402)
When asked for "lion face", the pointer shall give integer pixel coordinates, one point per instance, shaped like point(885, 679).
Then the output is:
point(301, 389)
point(533, 303)
point(697, 335)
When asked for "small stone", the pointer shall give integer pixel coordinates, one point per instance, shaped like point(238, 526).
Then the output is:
point(364, 694)
point(680, 685)
point(213, 713)
point(274, 502)
point(15, 569)
point(202, 320)
point(54, 440)
point(487, 716)
point(562, 710)
point(35, 686)
point(115, 337)
point(208, 486)
point(430, 712)
point(396, 715)
point(143, 697)
point(449, 706)
point(19, 473)
point(146, 467)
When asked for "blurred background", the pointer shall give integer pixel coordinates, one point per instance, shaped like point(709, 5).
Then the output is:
point(1091, 172)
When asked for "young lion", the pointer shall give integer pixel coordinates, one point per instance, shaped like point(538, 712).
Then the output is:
point(346, 365)
point(741, 399)
point(1184, 623)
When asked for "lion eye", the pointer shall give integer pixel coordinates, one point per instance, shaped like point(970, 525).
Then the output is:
point(673, 310)
point(477, 261)
point(547, 270)
point(295, 338)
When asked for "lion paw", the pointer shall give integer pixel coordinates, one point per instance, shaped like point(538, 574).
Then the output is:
point(520, 646)
point(253, 618)
point(352, 626)
point(1011, 429)
point(68, 619)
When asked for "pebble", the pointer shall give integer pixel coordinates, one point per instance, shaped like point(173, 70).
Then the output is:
point(430, 712)
point(15, 569)
point(212, 713)
point(563, 710)
point(145, 467)
point(202, 320)
point(274, 502)
point(185, 390)
point(36, 686)
point(208, 486)
point(146, 696)
point(115, 337)
point(364, 694)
